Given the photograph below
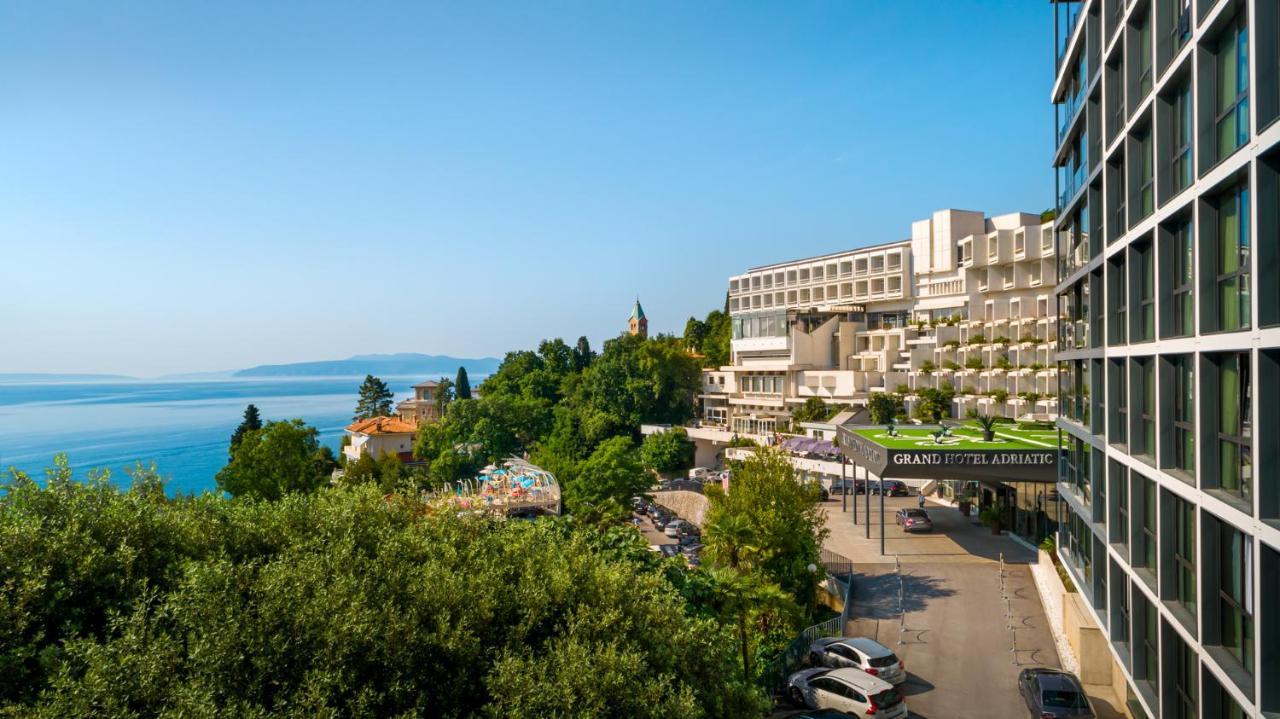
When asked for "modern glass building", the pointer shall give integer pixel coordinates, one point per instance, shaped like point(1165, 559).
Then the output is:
point(1168, 190)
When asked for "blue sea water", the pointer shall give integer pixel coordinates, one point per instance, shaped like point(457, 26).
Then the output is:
point(182, 426)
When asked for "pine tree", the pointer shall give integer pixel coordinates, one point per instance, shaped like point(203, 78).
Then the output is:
point(375, 399)
point(462, 385)
point(252, 421)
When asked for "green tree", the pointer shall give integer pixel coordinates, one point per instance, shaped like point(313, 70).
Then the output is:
point(462, 385)
point(667, 453)
point(883, 406)
point(344, 602)
point(582, 354)
point(695, 334)
point(813, 410)
point(443, 395)
point(935, 403)
point(251, 422)
point(280, 458)
point(375, 399)
point(607, 480)
point(767, 522)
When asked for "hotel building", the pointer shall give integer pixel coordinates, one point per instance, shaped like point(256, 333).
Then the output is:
point(967, 300)
point(1168, 175)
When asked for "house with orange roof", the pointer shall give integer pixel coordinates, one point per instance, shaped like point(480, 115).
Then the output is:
point(380, 435)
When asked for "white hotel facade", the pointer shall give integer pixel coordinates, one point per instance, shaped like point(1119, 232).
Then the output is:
point(968, 300)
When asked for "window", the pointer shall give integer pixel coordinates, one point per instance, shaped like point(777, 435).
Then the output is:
point(1146, 535)
point(1146, 320)
point(1184, 553)
point(1234, 426)
point(1233, 88)
point(1183, 107)
point(1186, 678)
point(1235, 594)
point(1146, 405)
point(1118, 401)
point(1121, 493)
point(1183, 280)
point(1184, 403)
point(1144, 56)
point(1149, 647)
point(1146, 173)
point(1233, 259)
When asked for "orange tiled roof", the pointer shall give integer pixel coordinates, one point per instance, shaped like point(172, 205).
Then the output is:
point(382, 425)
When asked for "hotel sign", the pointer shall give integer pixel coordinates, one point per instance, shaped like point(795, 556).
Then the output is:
point(1000, 465)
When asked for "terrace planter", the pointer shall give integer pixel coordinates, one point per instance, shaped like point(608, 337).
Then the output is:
point(988, 435)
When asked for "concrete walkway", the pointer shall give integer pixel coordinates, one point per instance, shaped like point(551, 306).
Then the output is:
point(955, 539)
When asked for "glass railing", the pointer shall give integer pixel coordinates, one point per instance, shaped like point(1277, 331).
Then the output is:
point(1068, 111)
point(1069, 16)
point(1070, 182)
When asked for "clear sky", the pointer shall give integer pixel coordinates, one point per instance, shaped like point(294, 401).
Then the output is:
point(204, 186)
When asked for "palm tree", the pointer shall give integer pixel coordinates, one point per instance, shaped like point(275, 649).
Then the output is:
point(739, 596)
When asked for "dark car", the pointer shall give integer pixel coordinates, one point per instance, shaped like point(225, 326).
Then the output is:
point(1053, 694)
point(892, 488)
point(668, 550)
point(914, 520)
point(841, 486)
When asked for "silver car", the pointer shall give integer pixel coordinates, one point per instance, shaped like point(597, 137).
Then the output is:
point(868, 655)
point(848, 690)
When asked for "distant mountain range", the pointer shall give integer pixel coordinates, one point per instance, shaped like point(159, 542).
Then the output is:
point(405, 363)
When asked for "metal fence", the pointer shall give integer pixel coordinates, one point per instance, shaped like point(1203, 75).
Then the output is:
point(839, 581)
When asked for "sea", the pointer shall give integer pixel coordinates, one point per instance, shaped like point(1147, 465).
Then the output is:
point(183, 426)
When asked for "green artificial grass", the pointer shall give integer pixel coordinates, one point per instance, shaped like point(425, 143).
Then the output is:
point(967, 437)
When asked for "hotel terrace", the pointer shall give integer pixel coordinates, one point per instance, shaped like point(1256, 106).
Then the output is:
point(968, 300)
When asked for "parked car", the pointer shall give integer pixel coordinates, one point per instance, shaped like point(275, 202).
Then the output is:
point(914, 520)
point(673, 528)
point(892, 488)
point(668, 550)
point(841, 486)
point(820, 714)
point(823, 494)
point(661, 520)
point(699, 473)
point(849, 690)
point(861, 653)
point(1053, 694)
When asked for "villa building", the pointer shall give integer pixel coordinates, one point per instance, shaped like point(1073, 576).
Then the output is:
point(1168, 186)
point(424, 407)
point(379, 436)
point(968, 300)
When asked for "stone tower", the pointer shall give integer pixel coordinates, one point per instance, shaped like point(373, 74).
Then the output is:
point(638, 325)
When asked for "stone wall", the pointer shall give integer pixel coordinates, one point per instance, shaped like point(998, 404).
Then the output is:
point(691, 506)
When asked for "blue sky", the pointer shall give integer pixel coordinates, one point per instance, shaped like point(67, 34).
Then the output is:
point(206, 186)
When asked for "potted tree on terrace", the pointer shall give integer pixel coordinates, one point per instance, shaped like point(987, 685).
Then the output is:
point(986, 422)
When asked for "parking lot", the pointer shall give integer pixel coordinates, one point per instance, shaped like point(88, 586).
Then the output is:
point(964, 628)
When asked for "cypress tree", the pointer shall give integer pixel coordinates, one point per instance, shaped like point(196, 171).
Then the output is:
point(462, 385)
point(252, 421)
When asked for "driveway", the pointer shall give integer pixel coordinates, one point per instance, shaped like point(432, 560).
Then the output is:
point(964, 626)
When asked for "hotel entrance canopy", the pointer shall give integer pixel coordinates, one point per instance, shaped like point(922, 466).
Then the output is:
point(923, 452)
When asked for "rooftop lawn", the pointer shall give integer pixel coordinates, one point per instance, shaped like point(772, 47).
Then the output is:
point(969, 436)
